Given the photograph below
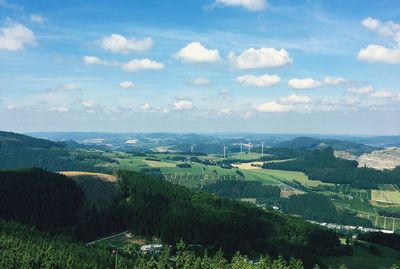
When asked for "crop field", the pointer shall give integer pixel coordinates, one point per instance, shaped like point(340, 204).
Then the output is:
point(198, 180)
point(386, 223)
point(387, 194)
point(355, 193)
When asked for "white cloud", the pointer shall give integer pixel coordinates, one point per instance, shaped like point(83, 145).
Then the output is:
point(196, 53)
point(16, 37)
point(183, 105)
point(58, 109)
point(261, 81)
point(199, 81)
point(131, 66)
point(88, 103)
point(334, 81)
point(382, 93)
point(11, 107)
point(384, 29)
point(252, 5)
point(145, 106)
point(127, 85)
point(295, 100)
point(273, 107)
point(94, 60)
point(120, 44)
point(378, 53)
point(304, 84)
point(225, 110)
point(37, 18)
point(260, 58)
point(371, 23)
point(360, 90)
point(141, 64)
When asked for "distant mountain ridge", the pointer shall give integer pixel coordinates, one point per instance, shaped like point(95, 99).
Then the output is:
point(314, 143)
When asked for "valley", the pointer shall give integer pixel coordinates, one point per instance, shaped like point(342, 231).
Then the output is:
point(277, 180)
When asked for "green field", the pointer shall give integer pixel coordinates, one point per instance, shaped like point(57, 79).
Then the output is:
point(246, 156)
point(290, 176)
point(361, 206)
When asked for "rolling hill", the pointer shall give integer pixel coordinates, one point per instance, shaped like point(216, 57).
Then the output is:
point(22, 151)
point(310, 143)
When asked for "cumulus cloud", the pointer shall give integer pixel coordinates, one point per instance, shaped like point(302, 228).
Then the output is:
point(16, 37)
point(263, 81)
point(94, 60)
point(37, 18)
point(382, 93)
point(196, 53)
point(120, 44)
point(260, 58)
point(199, 81)
point(88, 103)
point(183, 105)
point(304, 84)
point(334, 81)
point(134, 65)
point(295, 100)
point(272, 107)
point(252, 5)
point(379, 53)
point(360, 90)
point(384, 29)
point(141, 64)
point(127, 85)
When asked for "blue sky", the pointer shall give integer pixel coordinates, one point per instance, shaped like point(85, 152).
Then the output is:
point(329, 67)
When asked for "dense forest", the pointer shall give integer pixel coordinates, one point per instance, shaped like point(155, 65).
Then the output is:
point(242, 189)
point(323, 165)
point(35, 197)
point(153, 207)
point(389, 240)
point(26, 248)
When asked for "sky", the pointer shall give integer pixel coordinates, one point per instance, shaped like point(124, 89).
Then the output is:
point(267, 66)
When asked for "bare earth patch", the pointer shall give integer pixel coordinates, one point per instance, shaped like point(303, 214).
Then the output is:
point(106, 177)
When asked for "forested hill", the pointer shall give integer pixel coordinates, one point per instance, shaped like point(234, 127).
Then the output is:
point(313, 143)
point(323, 165)
point(154, 207)
point(13, 140)
point(21, 151)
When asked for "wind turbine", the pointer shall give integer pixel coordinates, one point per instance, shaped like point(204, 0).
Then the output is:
point(191, 148)
point(262, 148)
point(241, 147)
point(249, 147)
point(224, 151)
